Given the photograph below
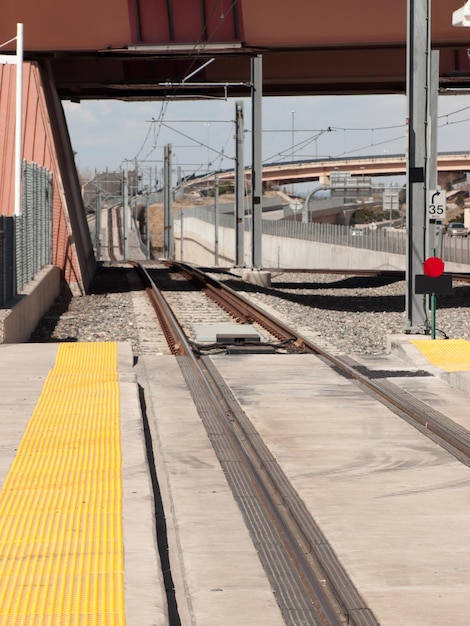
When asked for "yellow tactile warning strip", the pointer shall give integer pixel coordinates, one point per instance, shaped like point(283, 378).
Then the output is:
point(451, 355)
point(61, 548)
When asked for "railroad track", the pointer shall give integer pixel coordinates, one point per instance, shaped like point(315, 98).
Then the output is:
point(434, 424)
point(114, 226)
point(307, 554)
point(300, 575)
point(304, 553)
point(197, 304)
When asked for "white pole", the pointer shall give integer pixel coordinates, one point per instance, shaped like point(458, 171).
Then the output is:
point(18, 122)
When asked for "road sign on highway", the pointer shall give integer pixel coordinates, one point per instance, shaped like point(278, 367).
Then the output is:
point(436, 204)
point(296, 205)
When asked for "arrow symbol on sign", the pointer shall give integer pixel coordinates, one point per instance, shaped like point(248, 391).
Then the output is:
point(437, 193)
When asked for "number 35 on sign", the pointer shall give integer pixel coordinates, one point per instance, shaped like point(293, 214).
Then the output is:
point(436, 204)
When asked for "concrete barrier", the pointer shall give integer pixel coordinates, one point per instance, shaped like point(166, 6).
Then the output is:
point(285, 253)
point(21, 315)
point(278, 252)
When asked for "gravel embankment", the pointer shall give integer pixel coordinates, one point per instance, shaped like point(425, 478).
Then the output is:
point(106, 314)
point(353, 314)
point(357, 314)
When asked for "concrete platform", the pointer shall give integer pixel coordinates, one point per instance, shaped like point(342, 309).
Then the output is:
point(393, 505)
point(446, 359)
point(23, 371)
point(216, 571)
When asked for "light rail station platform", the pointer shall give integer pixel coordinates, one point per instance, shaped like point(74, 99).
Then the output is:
point(447, 359)
point(78, 503)
point(76, 516)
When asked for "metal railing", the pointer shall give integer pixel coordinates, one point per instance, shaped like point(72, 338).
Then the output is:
point(389, 240)
point(456, 249)
point(26, 239)
point(383, 240)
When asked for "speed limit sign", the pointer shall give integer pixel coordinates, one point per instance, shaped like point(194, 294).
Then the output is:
point(436, 204)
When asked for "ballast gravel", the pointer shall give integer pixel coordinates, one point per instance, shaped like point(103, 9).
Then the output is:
point(353, 314)
point(356, 314)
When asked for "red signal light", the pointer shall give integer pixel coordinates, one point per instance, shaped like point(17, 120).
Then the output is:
point(433, 266)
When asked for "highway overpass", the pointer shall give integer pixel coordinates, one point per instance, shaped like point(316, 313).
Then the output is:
point(450, 166)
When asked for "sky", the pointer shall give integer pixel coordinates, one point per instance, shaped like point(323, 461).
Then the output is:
point(108, 134)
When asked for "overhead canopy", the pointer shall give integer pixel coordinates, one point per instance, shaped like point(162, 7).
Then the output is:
point(140, 49)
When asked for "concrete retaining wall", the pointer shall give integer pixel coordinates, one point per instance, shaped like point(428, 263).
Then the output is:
point(22, 314)
point(284, 252)
point(277, 252)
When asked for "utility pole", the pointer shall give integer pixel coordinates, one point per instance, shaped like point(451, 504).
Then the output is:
point(181, 236)
point(147, 223)
point(98, 223)
point(239, 186)
point(257, 161)
point(216, 220)
point(167, 202)
point(136, 186)
point(125, 209)
point(134, 191)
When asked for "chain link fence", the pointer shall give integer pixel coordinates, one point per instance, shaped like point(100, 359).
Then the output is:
point(26, 239)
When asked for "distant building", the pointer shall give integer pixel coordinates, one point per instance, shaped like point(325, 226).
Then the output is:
point(110, 186)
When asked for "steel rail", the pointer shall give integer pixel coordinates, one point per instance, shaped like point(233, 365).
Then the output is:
point(111, 245)
point(239, 306)
point(326, 613)
point(430, 422)
point(233, 305)
point(446, 433)
point(119, 229)
point(111, 254)
point(176, 339)
point(310, 545)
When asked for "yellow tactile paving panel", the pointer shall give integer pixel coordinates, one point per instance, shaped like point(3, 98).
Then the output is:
point(61, 549)
point(451, 355)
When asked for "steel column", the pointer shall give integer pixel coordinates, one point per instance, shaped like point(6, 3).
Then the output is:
point(418, 64)
point(125, 209)
point(431, 182)
point(19, 118)
point(167, 202)
point(239, 186)
point(147, 223)
point(216, 221)
point(98, 223)
point(257, 161)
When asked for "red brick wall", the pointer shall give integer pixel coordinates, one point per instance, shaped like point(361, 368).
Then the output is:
point(39, 146)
